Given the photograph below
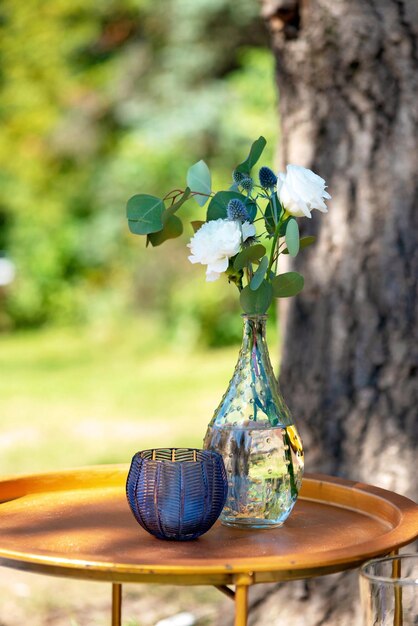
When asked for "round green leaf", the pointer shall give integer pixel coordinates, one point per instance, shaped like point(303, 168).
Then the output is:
point(303, 243)
point(199, 179)
point(292, 237)
point(219, 203)
point(173, 227)
point(248, 255)
point(144, 214)
point(287, 284)
point(259, 274)
point(251, 209)
point(258, 301)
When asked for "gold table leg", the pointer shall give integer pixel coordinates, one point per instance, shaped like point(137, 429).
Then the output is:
point(396, 573)
point(241, 605)
point(116, 604)
point(242, 582)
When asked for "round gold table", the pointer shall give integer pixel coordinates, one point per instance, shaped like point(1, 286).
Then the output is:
point(78, 524)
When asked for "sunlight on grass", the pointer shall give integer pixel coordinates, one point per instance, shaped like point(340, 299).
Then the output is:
point(71, 397)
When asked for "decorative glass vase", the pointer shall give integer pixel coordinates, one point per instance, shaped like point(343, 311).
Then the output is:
point(253, 430)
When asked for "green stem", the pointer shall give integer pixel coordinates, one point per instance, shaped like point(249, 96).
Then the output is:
point(274, 205)
point(277, 263)
point(278, 222)
point(176, 192)
point(273, 248)
point(200, 193)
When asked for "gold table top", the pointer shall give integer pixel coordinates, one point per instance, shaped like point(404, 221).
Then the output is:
point(77, 523)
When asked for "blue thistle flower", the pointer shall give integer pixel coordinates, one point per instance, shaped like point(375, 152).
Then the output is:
point(237, 176)
point(247, 184)
point(267, 177)
point(236, 210)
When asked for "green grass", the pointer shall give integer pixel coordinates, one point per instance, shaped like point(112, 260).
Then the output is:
point(71, 397)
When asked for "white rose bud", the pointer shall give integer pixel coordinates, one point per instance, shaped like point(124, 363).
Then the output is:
point(300, 191)
point(216, 242)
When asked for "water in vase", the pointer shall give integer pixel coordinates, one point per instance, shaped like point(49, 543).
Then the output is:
point(264, 468)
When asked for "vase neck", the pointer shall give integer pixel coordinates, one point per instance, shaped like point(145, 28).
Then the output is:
point(253, 397)
point(254, 354)
point(254, 338)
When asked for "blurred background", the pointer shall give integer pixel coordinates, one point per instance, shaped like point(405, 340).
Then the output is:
point(101, 100)
point(105, 347)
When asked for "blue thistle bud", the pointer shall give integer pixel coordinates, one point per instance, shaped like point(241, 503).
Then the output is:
point(267, 177)
point(237, 176)
point(236, 210)
point(247, 184)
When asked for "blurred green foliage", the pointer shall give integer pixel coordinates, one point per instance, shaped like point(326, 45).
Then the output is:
point(95, 394)
point(100, 100)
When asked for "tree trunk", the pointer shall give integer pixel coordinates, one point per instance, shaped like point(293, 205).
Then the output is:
point(347, 73)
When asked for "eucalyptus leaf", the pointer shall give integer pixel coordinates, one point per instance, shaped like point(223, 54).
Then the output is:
point(219, 203)
point(292, 237)
point(175, 207)
point(196, 224)
point(249, 255)
point(303, 243)
point(199, 179)
point(287, 284)
point(144, 214)
point(173, 227)
point(258, 301)
point(258, 277)
point(251, 209)
point(255, 153)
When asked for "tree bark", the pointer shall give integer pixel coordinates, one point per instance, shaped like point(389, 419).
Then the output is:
point(347, 73)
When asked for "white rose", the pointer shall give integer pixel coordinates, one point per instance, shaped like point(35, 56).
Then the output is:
point(216, 242)
point(300, 191)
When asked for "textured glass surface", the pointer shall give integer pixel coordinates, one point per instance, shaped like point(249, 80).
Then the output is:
point(253, 430)
point(389, 591)
point(176, 493)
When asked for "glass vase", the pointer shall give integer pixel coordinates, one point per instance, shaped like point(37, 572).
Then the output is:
point(389, 591)
point(253, 430)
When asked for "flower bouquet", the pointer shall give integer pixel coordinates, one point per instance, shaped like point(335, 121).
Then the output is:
point(241, 224)
point(246, 229)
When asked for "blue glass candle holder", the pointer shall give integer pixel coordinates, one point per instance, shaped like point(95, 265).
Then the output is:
point(177, 493)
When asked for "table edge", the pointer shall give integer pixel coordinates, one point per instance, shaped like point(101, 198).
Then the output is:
point(268, 569)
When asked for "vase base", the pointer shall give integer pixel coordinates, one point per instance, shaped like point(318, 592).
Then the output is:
point(251, 523)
